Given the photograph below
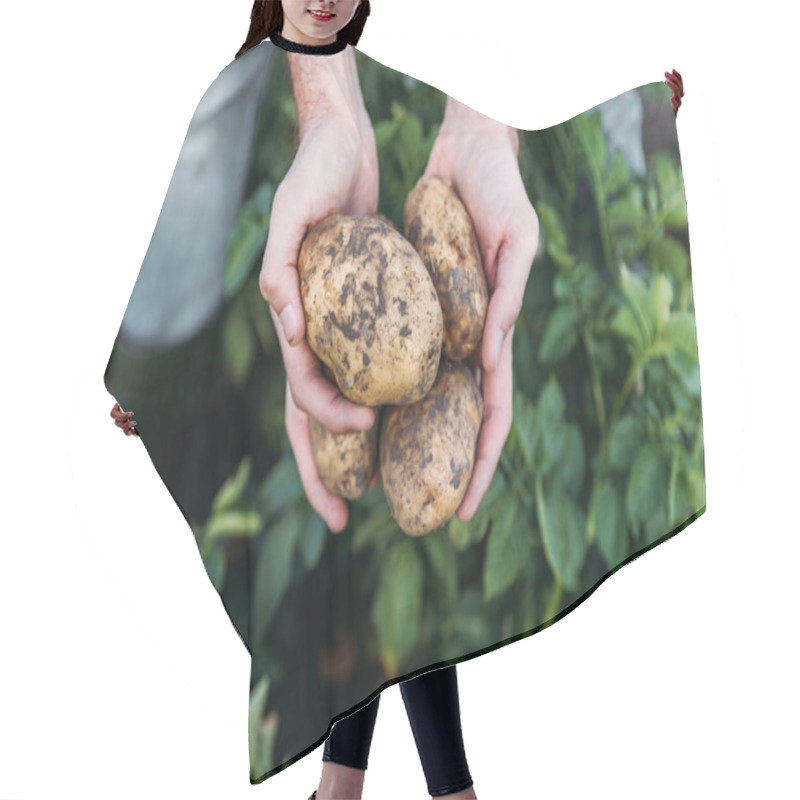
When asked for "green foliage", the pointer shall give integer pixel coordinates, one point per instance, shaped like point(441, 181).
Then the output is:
point(262, 729)
point(398, 603)
point(604, 454)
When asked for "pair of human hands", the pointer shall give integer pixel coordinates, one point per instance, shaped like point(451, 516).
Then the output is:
point(478, 157)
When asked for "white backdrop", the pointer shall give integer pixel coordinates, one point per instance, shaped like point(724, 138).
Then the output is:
point(120, 674)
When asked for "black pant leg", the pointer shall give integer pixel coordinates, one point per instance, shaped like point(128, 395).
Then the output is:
point(350, 738)
point(433, 710)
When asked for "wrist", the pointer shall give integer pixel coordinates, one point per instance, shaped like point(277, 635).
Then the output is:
point(324, 88)
point(460, 120)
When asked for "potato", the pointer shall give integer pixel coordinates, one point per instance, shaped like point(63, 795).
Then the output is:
point(439, 227)
point(372, 314)
point(427, 450)
point(347, 461)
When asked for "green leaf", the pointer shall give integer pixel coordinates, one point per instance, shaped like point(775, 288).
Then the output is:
point(612, 535)
point(625, 441)
point(550, 422)
point(682, 332)
point(657, 524)
point(551, 224)
point(562, 285)
point(638, 295)
point(626, 325)
point(281, 488)
point(589, 130)
point(231, 490)
point(560, 255)
point(507, 550)
point(560, 334)
point(239, 344)
point(687, 368)
point(666, 175)
point(667, 254)
point(314, 539)
point(648, 483)
point(274, 569)
point(443, 559)
point(262, 730)
point(527, 431)
point(397, 605)
point(551, 403)
point(563, 535)
point(660, 300)
point(375, 529)
point(696, 482)
point(669, 180)
point(258, 700)
point(627, 211)
point(465, 534)
point(617, 175)
point(233, 522)
point(571, 467)
point(248, 238)
point(215, 563)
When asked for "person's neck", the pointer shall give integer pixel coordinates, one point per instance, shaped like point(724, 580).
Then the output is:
point(286, 42)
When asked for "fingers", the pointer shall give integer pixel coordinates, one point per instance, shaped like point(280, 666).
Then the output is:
point(675, 82)
point(514, 260)
point(331, 508)
point(279, 281)
point(505, 303)
point(316, 395)
point(497, 397)
point(122, 419)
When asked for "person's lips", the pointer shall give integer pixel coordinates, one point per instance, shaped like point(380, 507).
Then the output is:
point(321, 15)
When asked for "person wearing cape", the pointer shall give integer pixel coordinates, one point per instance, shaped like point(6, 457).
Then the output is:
point(552, 432)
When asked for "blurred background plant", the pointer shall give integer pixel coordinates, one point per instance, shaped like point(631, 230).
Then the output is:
point(604, 458)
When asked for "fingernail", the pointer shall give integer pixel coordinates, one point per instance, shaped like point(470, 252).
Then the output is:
point(499, 347)
point(289, 322)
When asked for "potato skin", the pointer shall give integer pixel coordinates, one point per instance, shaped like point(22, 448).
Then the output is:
point(372, 313)
point(347, 461)
point(437, 224)
point(427, 450)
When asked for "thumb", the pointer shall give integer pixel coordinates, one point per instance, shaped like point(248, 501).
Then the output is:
point(279, 280)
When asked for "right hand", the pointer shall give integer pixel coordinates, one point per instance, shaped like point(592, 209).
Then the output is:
point(330, 507)
point(336, 167)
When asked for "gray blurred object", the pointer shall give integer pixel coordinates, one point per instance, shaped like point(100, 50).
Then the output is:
point(634, 124)
point(655, 134)
point(180, 283)
point(622, 118)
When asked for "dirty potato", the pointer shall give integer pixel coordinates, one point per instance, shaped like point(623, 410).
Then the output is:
point(346, 461)
point(372, 313)
point(427, 450)
point(439, 227)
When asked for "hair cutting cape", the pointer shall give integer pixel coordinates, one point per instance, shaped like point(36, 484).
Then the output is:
point(604, 460)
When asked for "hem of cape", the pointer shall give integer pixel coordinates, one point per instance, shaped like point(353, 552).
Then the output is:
point(489, 649)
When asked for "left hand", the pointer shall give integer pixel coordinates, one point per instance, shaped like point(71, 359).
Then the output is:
point(123, 419)
point(478, 156)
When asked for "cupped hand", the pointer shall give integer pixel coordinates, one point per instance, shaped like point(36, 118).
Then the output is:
point(335, 168)
point(332, 508)
point(478, 156)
